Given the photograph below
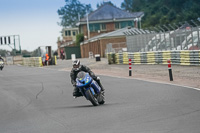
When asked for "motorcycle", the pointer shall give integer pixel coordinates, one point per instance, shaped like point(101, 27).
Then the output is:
point(89, 88)
point(1, 65)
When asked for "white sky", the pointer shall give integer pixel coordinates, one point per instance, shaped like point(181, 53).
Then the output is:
point(35, 21)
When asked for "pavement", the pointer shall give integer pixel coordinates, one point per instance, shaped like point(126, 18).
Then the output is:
point(182, 75)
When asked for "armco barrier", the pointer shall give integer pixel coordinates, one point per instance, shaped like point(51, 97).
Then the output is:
point(143, 58)
point(165, 56)
point(125, 58)
point(151, 58)
point(137, 58)
point(194, 57)
point(158, 57)
point(175, 57)
point(183, 57)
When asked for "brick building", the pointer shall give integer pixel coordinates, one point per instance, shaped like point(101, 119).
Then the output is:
point(106, 26)
point(68, 38)
point(98, 44)
point(108, 18)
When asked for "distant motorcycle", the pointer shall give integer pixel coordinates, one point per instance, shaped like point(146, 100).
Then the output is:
point(1, 65)
point(89, 88)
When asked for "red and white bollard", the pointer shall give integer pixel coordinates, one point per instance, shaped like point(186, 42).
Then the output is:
point(130, 68)
point(170, 70)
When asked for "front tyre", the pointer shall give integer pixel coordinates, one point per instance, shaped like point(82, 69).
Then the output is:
point(91, 98)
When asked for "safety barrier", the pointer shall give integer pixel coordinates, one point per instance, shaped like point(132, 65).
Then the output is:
point(32, 61)
point(13, 60)
point(182, 57)
point(37, 61)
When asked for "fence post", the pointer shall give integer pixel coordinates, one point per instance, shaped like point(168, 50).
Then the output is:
point(130, 68)
point(170, 70)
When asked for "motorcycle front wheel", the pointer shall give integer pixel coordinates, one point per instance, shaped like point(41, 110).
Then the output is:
point(92, 98)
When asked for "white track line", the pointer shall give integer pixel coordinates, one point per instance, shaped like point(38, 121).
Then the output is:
point(152, 81)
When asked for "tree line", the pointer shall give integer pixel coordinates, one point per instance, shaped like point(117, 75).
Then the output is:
point(157, 12)
point(160, 12)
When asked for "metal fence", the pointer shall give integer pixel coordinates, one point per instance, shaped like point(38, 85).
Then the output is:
point(182, 36)
point(116, 47)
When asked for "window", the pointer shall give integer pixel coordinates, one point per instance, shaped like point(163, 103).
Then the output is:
point(94, 27)
point(74, 33)
point(126, 23)
point(97, 27)
point(117, 25)
point(67, 33)
point(103, 26)
point(81, 29)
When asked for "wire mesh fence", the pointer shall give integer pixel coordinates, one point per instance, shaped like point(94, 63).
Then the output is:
point(162, 38)
point(116, 47)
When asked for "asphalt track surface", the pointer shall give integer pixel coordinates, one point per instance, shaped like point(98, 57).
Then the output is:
point(39, 100)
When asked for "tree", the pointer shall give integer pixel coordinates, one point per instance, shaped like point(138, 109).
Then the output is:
point(36, 53)
point(70, 13)
point(98, 5)
point(159, 12)
point(127, 5)
point(79, 39)
point(3, 52)
point(25, 53)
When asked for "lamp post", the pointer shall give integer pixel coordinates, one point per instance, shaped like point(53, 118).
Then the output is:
point(136, 20)
point(88, 26)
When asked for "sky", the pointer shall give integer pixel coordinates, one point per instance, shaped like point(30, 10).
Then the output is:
point(35, 21)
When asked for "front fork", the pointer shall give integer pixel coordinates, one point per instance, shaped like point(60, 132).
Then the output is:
point(83, 90)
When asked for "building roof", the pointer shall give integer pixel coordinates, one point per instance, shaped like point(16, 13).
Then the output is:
point(116, 33)
point(136, 31)
point(109, 12)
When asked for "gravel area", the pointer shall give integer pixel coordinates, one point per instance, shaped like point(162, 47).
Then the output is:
point(182, 75)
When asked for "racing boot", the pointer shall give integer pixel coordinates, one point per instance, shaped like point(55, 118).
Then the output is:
point(98, 81)
point(76, 92)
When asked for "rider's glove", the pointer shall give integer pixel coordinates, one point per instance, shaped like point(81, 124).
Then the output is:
point(94, 77)
point(74, 84)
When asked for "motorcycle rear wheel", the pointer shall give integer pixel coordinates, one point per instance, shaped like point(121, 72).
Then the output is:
point(101, 99)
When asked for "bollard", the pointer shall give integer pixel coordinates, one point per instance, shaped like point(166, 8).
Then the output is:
point(130, 69)
point(170, 70)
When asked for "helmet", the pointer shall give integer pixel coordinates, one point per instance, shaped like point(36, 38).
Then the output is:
point(76, 65)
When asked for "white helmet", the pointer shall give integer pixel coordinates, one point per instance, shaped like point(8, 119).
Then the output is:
point(76, 65)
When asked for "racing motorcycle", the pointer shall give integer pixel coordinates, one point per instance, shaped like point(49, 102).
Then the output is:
point(89, 88)
point(1, 64)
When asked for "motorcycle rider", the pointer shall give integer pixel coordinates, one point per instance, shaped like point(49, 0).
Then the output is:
point(77, 67)
point(1, 58)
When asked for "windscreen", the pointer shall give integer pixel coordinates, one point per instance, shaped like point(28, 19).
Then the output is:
point(81, 75)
